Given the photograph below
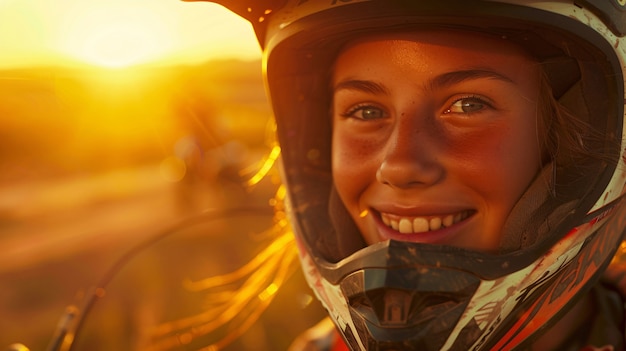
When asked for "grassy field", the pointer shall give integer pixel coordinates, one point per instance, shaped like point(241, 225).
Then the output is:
point(96, 162)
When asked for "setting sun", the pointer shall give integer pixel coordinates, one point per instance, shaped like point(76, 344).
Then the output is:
point(117, 37)
point(120, 33)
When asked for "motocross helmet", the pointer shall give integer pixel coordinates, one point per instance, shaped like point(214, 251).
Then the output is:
point(401, 295)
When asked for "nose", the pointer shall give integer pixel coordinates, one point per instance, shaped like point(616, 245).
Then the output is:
point(411, 159)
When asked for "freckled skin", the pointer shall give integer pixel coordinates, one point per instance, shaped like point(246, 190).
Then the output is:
point(421, 159)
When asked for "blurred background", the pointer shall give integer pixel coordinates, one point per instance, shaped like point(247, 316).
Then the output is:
point(118, 120)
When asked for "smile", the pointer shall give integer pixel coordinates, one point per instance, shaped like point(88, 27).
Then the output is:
point(412, 225)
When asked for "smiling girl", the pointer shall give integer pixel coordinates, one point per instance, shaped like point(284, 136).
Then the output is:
point(434, 136)
point(454, 169)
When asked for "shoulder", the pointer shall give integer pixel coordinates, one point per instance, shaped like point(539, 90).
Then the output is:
point(609, 296)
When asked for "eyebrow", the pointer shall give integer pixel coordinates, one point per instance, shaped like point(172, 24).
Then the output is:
point(361, 85)
point(441, 81)
point(456, 77)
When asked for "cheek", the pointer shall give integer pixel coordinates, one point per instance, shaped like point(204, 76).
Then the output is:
point(353, 163)
point(500, 165)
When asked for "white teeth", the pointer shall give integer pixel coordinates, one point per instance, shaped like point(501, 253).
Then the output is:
point(405, 226)
point(435, 223)
point(394, 224)
point(448, 220)
point(422, 224)
point(386, 221)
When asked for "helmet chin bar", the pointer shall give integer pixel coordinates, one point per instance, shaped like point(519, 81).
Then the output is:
point(398, 295)
point(414, 308)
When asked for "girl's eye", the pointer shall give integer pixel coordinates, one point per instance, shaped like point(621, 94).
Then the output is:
point(467, 105)
point(365, 112)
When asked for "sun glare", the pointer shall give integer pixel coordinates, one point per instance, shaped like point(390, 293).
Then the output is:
point(119, 45)
point(116, 37)
point(120, 33)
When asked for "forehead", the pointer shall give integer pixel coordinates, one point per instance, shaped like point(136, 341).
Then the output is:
point(434, 51)
point(421, 42)
point(471, 40)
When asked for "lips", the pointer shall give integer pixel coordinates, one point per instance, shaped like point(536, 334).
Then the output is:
point(422, 224)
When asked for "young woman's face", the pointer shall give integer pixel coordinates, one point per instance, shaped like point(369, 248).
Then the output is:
point(434, 136)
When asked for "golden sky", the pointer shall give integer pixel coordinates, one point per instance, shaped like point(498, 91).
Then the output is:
point(120, 33)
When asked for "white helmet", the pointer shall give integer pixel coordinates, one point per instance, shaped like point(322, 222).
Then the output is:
point(446, 297)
